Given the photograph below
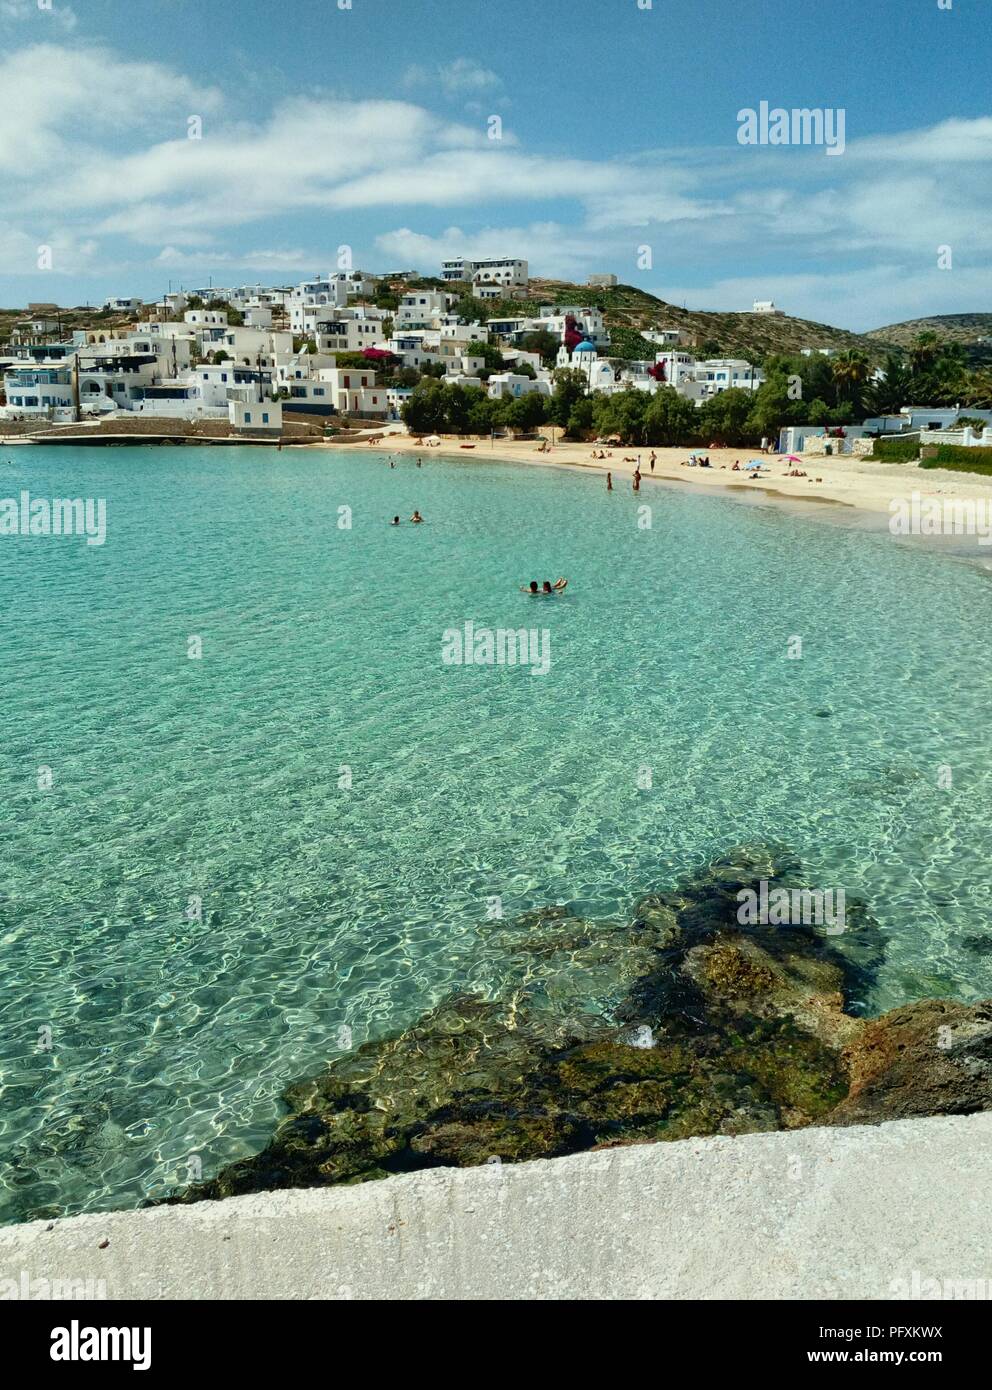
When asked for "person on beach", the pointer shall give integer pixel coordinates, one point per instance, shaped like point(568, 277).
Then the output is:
point(609, 482)
point(416, 517)
point(652, 460)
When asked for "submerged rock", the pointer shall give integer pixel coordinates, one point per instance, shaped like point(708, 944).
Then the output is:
point(679, 1022)
point(929, 1058)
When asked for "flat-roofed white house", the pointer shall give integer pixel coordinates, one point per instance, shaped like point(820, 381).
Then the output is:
point(505, 271)
point(206, 318)
point(515, 384)
point(320, 293)
point(725, 373)
point(35, 390)
point(347, 330)
point(421, 308)
point(251, 412)
point(123, 305)
point(354, 391)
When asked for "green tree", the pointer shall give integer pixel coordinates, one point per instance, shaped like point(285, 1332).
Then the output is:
point(424, 412)
point(851, 371)
point(669, 418)
point(887, 394)
point(491, 354)
point(570, 386)
point(724, 417)
point(581, 418)
point(622, 414)
point(522, 413)
point(543, 342)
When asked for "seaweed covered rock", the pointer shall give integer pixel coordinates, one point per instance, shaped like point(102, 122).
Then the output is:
point(929, 1058)
point(678, 1022)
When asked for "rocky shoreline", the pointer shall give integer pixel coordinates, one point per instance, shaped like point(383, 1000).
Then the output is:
point(713, 1028)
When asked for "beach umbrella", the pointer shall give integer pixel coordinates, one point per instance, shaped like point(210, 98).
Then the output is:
point(793, 458)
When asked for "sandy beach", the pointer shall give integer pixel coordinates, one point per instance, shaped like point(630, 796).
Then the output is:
point(865, 485)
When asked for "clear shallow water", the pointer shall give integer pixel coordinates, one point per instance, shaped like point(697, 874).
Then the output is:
point(325, 905)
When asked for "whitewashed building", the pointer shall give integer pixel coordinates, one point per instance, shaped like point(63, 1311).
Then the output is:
point(505, 271)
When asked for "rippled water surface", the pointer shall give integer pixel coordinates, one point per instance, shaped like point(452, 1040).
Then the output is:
point(225, 779)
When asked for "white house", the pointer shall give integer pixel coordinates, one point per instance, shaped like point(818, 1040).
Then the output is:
point(665, 337)
point(505, 271)
point(511, 384)
point(422, 309)
point(315, 294)
point(206, 318)
point(724, 373)
point(346, 330)
point(765, 306)
point(354, 391)
point(34, 390)
point(123, 306)
point(250, 412)
point(588, 320)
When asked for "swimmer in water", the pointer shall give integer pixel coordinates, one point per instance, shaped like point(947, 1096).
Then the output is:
point(416, 517)
point(609, 482)
point(395, 521)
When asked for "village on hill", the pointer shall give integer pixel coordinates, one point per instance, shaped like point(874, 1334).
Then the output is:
point(482, 348)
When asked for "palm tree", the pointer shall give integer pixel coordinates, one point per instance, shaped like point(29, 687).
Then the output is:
point(923, 351)
point(851, 370)
point(978, 391)
point(892, 390)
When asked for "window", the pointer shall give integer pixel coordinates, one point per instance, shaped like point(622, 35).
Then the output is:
point(247, 417)
point(265, 417)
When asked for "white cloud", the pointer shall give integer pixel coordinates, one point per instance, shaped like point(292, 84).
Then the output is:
point(94, 146)
point(49, 90)
point(462, 77)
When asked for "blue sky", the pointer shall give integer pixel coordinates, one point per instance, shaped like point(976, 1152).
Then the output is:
point(369, 127)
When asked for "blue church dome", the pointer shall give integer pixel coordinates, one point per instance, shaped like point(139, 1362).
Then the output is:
point(585, 346)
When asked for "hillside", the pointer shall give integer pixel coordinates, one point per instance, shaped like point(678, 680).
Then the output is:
point(754, 336)
point(965, 329)
point(953, 328)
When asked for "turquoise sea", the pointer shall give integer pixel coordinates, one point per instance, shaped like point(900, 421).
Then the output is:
point(225, 778)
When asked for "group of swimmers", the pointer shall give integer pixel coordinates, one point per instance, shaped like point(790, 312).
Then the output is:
point(636, 477)
point(416, 518)
point(558, 587)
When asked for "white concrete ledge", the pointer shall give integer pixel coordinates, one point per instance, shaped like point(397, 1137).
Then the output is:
point(818, 1213)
